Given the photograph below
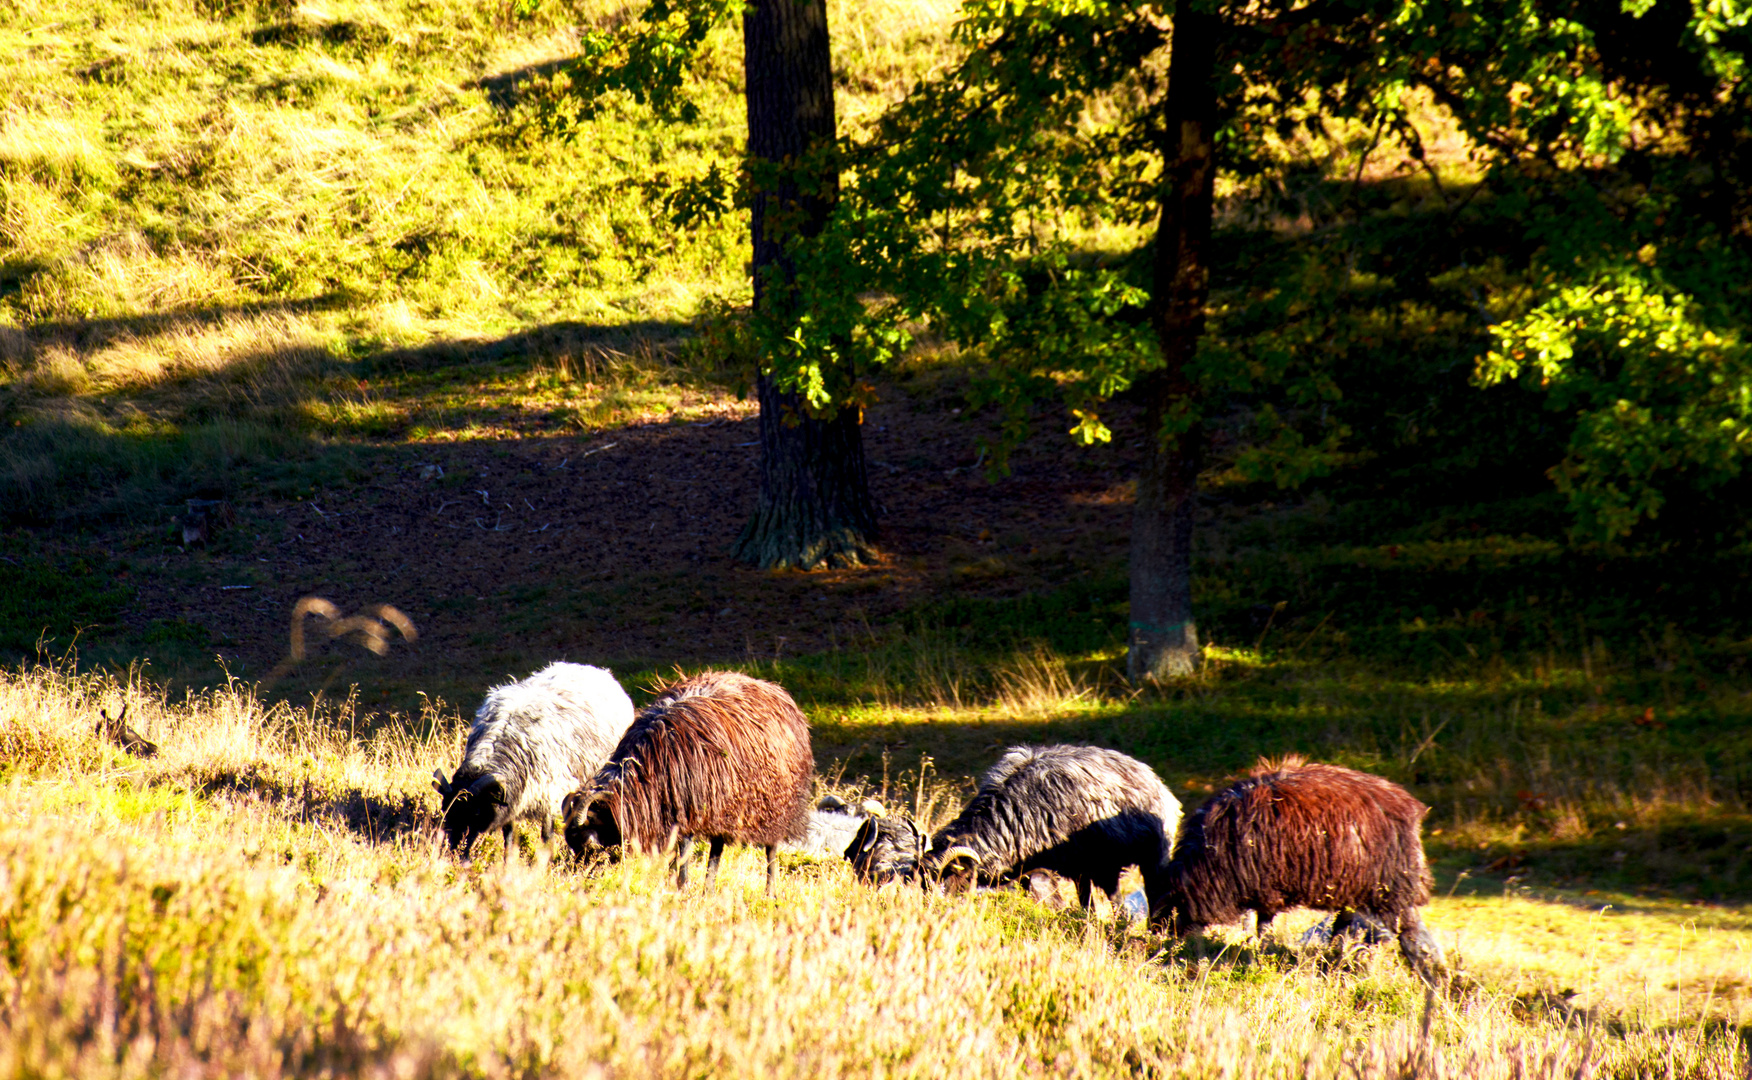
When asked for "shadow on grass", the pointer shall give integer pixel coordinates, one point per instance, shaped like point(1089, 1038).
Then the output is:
point(373, 818)
point(272, 420)
point(99, 332)
point(506, 90)
point(566, 338)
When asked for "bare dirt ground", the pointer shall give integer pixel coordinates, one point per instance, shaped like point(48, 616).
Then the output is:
point(612, 547)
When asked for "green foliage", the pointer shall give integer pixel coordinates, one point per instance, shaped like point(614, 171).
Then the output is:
point(1001, 203)
point(1662, 393)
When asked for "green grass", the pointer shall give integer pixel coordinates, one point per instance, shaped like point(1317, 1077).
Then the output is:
point(253, 237)
point(52, 603)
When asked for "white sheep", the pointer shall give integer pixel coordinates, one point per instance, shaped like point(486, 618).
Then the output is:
point(532, 742)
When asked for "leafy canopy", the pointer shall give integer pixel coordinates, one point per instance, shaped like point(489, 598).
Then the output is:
point(1006, 205)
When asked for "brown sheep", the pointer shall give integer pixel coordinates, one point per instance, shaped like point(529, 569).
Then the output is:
point(1296, 834)
point(719, 756)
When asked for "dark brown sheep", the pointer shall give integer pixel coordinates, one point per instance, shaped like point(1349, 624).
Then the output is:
point(1296, 834)
point(719, 756)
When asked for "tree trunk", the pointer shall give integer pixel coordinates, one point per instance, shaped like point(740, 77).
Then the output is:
point(1164, 636)
point(815, 507)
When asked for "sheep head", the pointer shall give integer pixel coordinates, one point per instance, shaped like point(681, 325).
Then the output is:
point(590, 825)
point(1170, 910)
point(470, 811)
point(885, 849)
point(957, 869)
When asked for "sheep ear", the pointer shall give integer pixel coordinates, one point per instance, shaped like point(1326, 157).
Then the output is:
point(489, 787)
point(861, 841)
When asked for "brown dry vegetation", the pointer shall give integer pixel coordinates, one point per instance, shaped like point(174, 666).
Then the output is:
point(220, 910)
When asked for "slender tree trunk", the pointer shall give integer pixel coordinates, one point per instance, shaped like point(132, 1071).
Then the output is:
point(815, 507)
point(1164, 636)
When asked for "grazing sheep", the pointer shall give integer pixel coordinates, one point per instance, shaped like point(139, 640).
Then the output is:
point(531, 743)
point(886, 849)
point(1296, 834)
point(832, 825)
point(1081, 811)
point(720, 757)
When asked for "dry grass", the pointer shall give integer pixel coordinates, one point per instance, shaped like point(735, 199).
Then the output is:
point(157, 922)
point(1040, 683)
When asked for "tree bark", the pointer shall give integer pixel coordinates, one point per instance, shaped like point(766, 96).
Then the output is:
point(814, 507)
point(1164, 635)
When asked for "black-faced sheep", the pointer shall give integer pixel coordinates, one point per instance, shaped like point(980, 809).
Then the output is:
point(719, 756)
point(1081, 811)
point(532, 742)
point(886, 849)
point(1296, 834)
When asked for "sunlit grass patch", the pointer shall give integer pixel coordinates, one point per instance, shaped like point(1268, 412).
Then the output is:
point(244, 923)
point(1657, 963)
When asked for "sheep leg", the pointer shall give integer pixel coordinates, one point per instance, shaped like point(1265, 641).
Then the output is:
point(507, 833)
point(772, 866)
point(683, 852)
point(712, 860)
point(1420, 947)
point(1085, 892)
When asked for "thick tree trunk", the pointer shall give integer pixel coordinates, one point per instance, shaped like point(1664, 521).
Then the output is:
point(815, 507)
point(1164, 635)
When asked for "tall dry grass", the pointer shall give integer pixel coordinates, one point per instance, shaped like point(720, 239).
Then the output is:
point(155, 923)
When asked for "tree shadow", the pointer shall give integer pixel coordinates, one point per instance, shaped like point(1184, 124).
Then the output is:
point(507, 89)
point(96, 333)
point(294, 413)
point(562, 338)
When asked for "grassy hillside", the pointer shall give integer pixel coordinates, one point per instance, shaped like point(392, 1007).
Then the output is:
point(234, 234)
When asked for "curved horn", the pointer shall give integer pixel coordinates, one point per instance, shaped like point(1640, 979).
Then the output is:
point(862, 841)
point(488, 784)
point(441, 785)
point(940, 864)
point(572, 807)
point(959, 851)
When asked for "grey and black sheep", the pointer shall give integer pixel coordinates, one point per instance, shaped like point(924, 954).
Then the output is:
point(532, 743)
point(719, 756)
point(1081, 811)
point(886, 849)
point(1296, 834)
